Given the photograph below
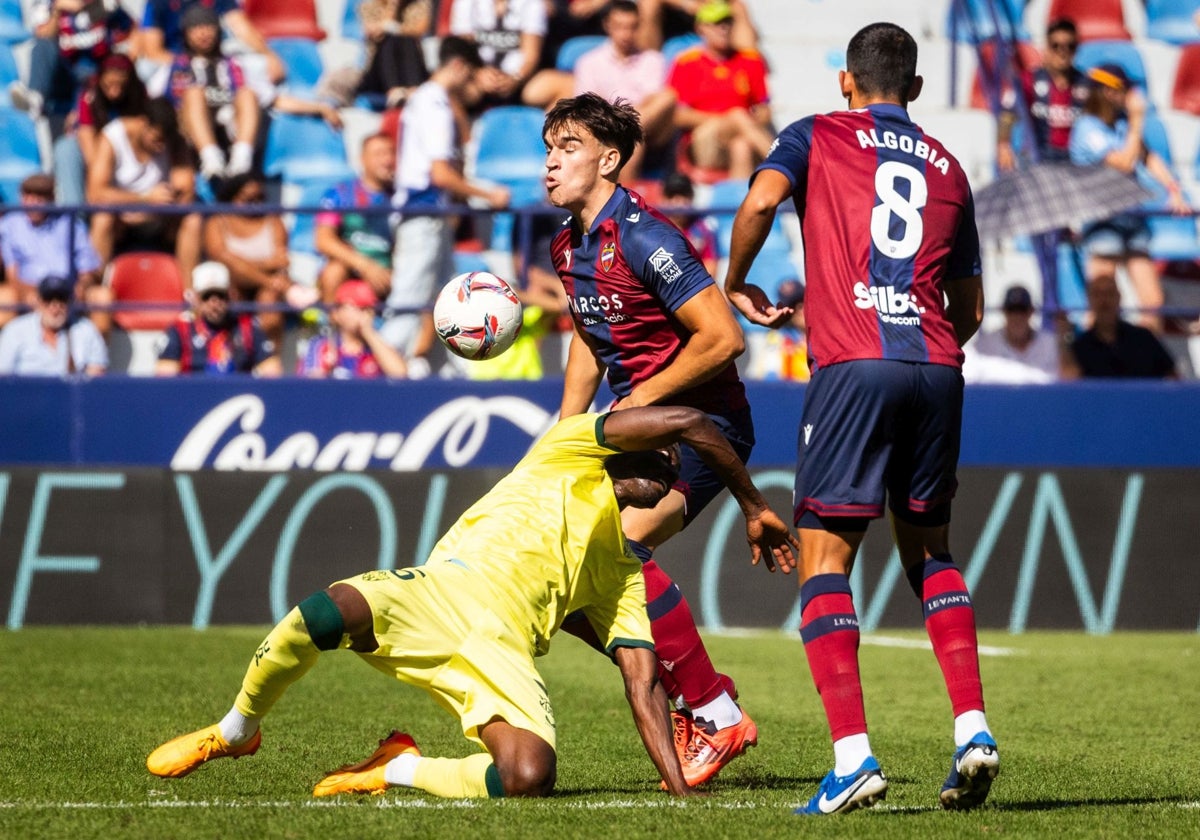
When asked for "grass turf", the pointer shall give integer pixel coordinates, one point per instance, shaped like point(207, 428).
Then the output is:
point(1093, 733)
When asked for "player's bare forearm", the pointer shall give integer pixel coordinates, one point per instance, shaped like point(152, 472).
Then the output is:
point(751, 226)
point(655, 427)
point(714, 342)
point(581, 378)
point(648, 701)
point(964, 307)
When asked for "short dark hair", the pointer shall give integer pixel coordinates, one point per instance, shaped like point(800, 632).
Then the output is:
point(629, 6)
point(614, 124)
point(883, 60)
point(1062, 25)
point(453, 47)
point(228, 188)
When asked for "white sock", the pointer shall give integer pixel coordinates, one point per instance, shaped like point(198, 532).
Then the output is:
point(967, 725)
point(212, 162)
point(849, 753)
point(241, 158)
point(236, 728)
point(721, 712)
point(401, 769)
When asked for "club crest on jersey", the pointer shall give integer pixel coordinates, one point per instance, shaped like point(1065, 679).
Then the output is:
point(607, 254)
point(665, 266)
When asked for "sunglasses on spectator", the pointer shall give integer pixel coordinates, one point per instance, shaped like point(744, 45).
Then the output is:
point(55, 296)
point(209, 295)
point(1064, 46)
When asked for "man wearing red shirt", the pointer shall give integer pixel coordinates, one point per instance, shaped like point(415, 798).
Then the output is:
point(722, 92)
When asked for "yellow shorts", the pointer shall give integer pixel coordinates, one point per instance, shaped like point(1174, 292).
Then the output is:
point(437, 630)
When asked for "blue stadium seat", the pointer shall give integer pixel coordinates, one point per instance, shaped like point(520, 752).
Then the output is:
point(12, 23)
point(511, 152)
point(774, 262)
point(301, 149)
point(1171, 237)
point(19, 155)
point(972, 21)
point(351, 24)
point(8, 69)
point(573, 48)
point(1171, 21)
point(303, 233)
point(302, 60)
point(1124, 53)
point(674, 46)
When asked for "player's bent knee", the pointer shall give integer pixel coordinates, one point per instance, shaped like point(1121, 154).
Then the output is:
point(529, 773)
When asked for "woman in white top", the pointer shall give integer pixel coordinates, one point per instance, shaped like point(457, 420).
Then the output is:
point(143, 160)
point(254, 247)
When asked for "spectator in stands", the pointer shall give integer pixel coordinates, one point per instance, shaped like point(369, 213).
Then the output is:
point(666, 19)
point(429, 175)
point(72, 38)
point(781, 354)
point(1113, 347)
point(353, 349)
point(144, 160)
point(254, 247)
point(49, 341)
point(567, 19)
point(211, 338)
point(359, 245)
point(1017, 353)
point(161, 34)
point(509, 35)
point(38, 244)
point(1054, 94)
point(701, 230)
point(116, 91)
point(218, 111)
point(395, 64)
point(722, 105)
point(1109, 132)
point(617, 68)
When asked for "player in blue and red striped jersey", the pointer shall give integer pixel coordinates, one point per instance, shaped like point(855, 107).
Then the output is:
point(889, 227)
point(647, 314)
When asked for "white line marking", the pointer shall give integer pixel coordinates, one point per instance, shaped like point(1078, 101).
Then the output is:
point(867, 639)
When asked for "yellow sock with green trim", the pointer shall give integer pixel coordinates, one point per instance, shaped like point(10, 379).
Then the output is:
point(458, 778)
point(284, 657)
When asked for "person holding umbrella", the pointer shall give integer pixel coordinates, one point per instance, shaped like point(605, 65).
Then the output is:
point(1109, 133)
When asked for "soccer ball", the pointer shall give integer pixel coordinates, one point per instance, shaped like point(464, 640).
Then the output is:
point(477, 315)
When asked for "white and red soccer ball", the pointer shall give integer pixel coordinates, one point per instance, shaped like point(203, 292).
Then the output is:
point(477, 315)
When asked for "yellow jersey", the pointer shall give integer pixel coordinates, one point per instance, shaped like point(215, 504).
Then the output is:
point(547, 540)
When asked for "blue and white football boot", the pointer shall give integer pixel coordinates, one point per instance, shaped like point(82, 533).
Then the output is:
point(839, 794)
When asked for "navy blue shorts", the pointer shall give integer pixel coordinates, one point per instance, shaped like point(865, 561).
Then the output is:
point(697, 481)
point(873, 429)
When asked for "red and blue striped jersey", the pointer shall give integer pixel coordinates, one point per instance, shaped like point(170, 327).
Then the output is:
point(888, 220)
point(624, 279)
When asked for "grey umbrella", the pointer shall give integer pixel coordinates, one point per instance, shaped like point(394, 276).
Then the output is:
point(1051, 196)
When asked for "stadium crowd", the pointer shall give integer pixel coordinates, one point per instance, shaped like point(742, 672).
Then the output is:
point(192, 127)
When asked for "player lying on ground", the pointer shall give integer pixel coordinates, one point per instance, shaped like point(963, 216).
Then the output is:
point(466, 626)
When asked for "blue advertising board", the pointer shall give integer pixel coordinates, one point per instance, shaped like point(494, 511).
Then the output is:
point(236, 423)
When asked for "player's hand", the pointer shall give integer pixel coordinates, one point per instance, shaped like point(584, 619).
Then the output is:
point(753, 303)
point(771, 541)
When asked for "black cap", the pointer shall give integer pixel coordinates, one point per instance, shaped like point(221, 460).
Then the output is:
point(53, 286)
point(1017, 299)
point(198, 15)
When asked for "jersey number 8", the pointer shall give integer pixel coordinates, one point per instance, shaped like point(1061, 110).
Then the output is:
point(892, 203)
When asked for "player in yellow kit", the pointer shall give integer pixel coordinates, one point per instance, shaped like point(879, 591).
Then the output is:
point(544, 542)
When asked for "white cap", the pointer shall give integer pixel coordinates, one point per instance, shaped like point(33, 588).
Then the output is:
point(209, 276)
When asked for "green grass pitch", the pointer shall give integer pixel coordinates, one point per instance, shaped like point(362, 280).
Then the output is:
point(1094, 732)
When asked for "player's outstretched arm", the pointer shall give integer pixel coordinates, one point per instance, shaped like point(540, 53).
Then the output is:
point(581, 377)
point(655, 427)
point(648, 700)
point(751, 226)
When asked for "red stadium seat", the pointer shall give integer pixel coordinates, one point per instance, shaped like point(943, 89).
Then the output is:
point(145, 277)
point(1186, 95)
point(285, 18)
point(1028, 58)
point(1096, 20)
